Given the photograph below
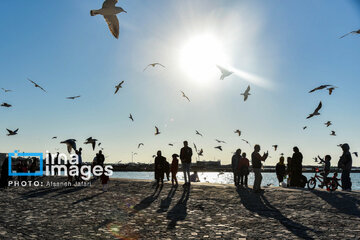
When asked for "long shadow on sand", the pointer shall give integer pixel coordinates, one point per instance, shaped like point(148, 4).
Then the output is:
point(69, 190)
point(165, 203)
point(146, 202)
point(343, 202)
point(39, 193)
point(259, 204)
point(179, 211)
point(87, 198)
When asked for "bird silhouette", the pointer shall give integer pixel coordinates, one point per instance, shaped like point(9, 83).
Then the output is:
point(333, 133)
point(184, 95)
point(109, 11)
point(246, 141)
point(201, 152)
point(131, 117)
point(319, 88)
point(331, 89)
point(118, 86)
point(238, 132)
point(91, 141)
point(305, 127)
point(171, 144)
point(6, 90)
point(12, 133)
point(316, 112)
point(140, 144)
point(275, 147)
point(6, 105)
point(153, 65)
point(72, 98)
point(352, 32)
point(36, 85)
point(157, 132)
point(195, 148)
point(224, 72)
point(99, 144)
point(219, 147)
point(246, 94)
point(71, 144)
point(220, 141)
point(328, 123)
point(54, 137)
point(356, 154)
point(198, 133)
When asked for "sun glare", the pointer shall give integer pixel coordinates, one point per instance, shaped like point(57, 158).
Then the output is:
point(199, 57)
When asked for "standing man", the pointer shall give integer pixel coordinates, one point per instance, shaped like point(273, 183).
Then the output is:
point(101, 158)
point(185, 157)
point(159, 168)
point(256, 159)
point(345, 163)
point(235, 160)
point(296, 168)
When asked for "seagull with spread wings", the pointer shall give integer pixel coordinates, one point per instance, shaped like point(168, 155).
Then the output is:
point(140, 144)
point(328, 123)
point(157, 132)
point(316, 112)
point(238, 132)
point(71, 144)
point(319, 88)
point(6, 105)
point(224, 72)
point(131, 117)
point(109, 11)
point(198, 133)
point(35, 84)
point(6, 90)
point(74, 97)
point(275, 147)
point(246, 141)
point(201, 152)
point(246, 94)
point(153, 65)
point(91, 141)
point(356, 154)
point(220, 141)
point(331, 89)
point(118, 86)
point(352, 32)
point(12, 133)
point(219, 147)
point(333, 133)
point(184, 95)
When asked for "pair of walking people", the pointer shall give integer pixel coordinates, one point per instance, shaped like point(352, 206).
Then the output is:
point(240, 168)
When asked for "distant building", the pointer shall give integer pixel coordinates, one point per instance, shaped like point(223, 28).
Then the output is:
point(208, 163)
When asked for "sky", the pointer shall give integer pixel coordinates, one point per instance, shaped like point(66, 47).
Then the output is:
point(282, 49)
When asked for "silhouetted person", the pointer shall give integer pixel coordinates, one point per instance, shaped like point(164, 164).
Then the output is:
point(326, 169)
point(345, 163)
point(4, 179)
point(256, 160)
point(194, 177)
point(280, 170)
point(101, 158)
point(185, 156)
point(159, 168)
point(174, 169)
point(235, 166)
point(296, 168)
point(244, 170)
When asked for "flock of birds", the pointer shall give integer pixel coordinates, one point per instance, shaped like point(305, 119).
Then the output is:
point(109, 11)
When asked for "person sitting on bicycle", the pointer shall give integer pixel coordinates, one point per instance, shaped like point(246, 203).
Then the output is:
point(326, 170)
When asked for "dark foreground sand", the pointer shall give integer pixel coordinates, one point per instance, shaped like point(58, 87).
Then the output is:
point(133, 210)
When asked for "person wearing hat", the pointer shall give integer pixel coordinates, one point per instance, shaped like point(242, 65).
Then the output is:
point(174, 169)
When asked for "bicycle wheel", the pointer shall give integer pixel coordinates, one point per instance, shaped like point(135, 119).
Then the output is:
point(311, 184)
point(332, 185)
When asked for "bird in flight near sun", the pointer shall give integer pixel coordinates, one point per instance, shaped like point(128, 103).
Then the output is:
point(153, 65)
point(246, 94)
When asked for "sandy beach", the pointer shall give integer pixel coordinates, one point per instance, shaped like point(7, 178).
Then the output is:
point(133, 209)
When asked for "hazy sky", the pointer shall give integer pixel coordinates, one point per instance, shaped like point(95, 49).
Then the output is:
point(290, 46)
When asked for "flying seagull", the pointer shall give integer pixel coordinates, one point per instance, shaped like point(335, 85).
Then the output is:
point(6, 90)
point(328, 123)
point(305, 127)
point(140, 144)
point(153, 65)
point(332, 133)
point(198, 133)
point(319, 88)
point(246, 141)
point(356, 154)
point(6, 105)
point(72, 98)
point(171, 144)
point(201, 152)
point(157, 132)
point(184, 95)
point(99, 144)
point(35, 84)
point(224, 72)
point(331, 89)
point(246, 94)
point(195, 148)
point(131, 117)
point(219, 147)
point(109, 12)
point(12, 133)
point(316, 112)
point(91, 141)
point(220, 141)
point(54, 137)
point(238, 132)
point(118, 86)
point(70, 143)
point(352, 32)
point(275, 147)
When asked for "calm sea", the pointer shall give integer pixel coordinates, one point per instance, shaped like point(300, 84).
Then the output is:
point(227, 177)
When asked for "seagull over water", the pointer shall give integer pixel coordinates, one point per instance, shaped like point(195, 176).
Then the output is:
point(238, 132)
point(332, 133)
point(316, 112)
point(198, 133)
point(6, 90)
point(12, 133)
point(70, 143)
point(246, 94)
point(72, 98)
point(184, 95)
point(118, 86)
point(224, 72)
point(328, 123)
point(6, 105)
point(219, 147)
point(109, 11)
point(91, 141)
point(157, 132)
point(352, 32)
point(153, 65)
point(36, 85)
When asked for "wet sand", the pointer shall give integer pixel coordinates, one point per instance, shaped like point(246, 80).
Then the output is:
point(133, 209)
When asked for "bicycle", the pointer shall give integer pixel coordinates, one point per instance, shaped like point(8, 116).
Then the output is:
point(330, 183)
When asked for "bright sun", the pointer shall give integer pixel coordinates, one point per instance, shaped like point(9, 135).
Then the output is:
point(199, 57)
